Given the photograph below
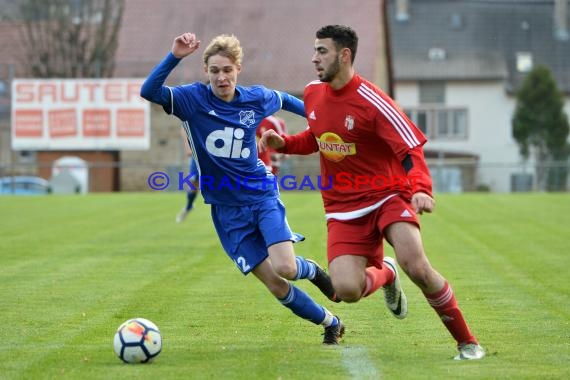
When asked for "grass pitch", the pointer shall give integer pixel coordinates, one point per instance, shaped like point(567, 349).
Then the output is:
point(72, 268)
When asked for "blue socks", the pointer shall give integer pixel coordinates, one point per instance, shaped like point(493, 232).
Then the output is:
point(305, 307)
point(305, 269)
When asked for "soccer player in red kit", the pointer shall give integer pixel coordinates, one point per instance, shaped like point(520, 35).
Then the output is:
point(377, 182)
point(271, 158)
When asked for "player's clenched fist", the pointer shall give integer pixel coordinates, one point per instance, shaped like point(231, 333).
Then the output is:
point(270, 139)
point(422, 202)
point(184, 45)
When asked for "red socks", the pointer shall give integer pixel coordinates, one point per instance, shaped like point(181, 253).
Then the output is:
point(376, 278)
point(445, 304)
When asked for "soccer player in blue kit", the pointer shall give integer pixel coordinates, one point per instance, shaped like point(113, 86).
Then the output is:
point(221, 119)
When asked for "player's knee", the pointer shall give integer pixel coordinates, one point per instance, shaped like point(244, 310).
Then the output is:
point(286, 270)
point(349, 296)
point(413, 262)
point(348, 293)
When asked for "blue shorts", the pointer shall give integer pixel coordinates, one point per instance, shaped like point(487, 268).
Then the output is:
point(246, 231)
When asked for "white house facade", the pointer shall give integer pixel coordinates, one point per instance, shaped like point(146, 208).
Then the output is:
point(456, 68)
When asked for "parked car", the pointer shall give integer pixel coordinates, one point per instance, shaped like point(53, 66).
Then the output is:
point(24, 185)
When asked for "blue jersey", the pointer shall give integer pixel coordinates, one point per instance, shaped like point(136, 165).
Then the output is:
point(222, 134)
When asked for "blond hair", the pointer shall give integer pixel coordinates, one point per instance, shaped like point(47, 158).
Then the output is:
point(225, 45)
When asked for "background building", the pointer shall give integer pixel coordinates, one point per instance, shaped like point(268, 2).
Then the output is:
point(455, 67)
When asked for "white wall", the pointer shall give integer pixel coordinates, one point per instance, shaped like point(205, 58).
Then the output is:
point(489, 123)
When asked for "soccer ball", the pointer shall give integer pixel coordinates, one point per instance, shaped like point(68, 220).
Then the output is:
point(137, 341)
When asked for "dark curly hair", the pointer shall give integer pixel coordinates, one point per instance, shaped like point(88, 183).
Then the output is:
point(343, 37)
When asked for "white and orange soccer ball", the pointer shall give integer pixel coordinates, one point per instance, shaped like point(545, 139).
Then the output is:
point(137, 340)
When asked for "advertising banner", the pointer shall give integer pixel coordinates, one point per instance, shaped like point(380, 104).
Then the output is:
point(79, 114)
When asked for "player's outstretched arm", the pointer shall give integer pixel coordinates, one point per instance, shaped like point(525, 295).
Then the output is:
point(302, 143)
point(153, 88)
point(292, 104)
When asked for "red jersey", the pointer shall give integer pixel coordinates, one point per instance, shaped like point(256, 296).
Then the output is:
point(278, 125)
point(369, 149)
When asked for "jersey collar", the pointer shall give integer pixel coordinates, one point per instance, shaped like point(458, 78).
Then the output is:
point(348, 88)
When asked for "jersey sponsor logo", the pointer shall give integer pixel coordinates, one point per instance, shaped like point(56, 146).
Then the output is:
point(247, 118)
point(227, 143)
point(213, 113)
point(333, 148)
point(349, 122)
point(312, 115)
point(406, 214)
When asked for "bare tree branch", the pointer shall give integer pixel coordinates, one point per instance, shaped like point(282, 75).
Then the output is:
point(71, 38)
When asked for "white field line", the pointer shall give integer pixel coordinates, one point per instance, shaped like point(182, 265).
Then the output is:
point(358, 364)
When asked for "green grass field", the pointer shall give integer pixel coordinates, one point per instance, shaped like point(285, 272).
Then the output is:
point(72, 268)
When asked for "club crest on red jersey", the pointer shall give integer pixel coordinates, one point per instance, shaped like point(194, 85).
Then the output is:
point(349, 122)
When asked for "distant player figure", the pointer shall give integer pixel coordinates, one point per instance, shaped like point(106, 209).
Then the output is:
point(270, 157)
point(191, 192)
point(220, 120)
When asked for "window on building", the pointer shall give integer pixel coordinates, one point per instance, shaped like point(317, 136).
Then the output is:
point(524, 61)
point(437, 54)
point(456, 21)
point(26, 156)
point(459, 123)
point(452, 124)
point(432, 92)
point(422, 121)
point(440, 123)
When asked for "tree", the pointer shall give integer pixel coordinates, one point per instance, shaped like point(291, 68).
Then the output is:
point(70, 38)
point(540, 127)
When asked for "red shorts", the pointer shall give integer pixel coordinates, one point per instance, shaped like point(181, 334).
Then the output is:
point(364, 236)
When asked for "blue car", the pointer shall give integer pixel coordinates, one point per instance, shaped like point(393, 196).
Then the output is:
point(24, 185)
